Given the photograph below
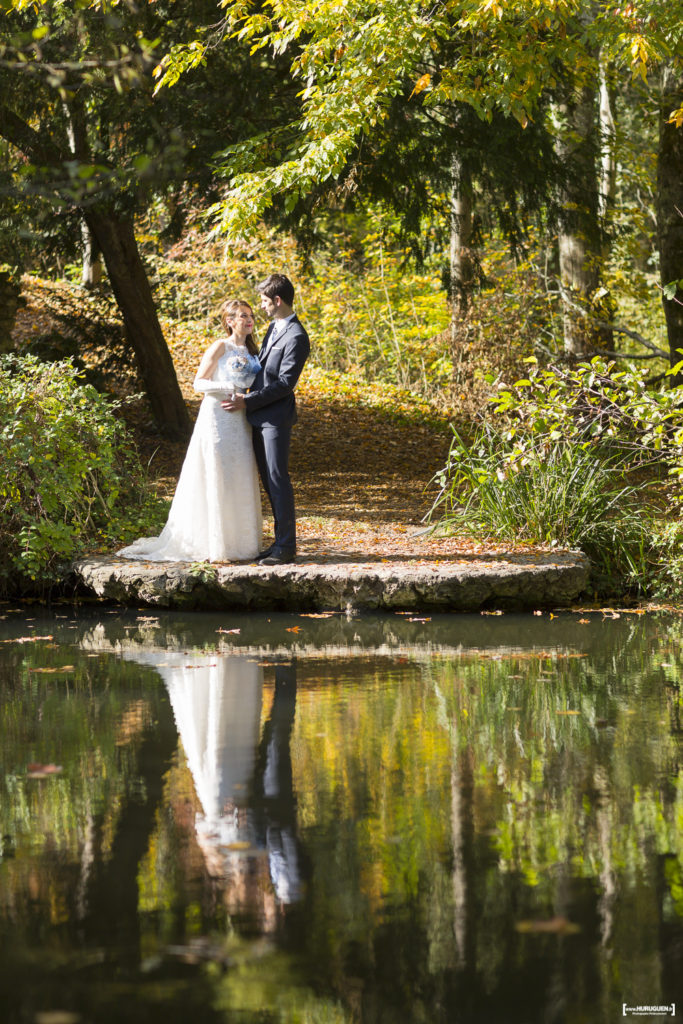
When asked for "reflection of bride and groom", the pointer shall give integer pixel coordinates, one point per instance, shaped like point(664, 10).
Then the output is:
point(244, 425)
point(242, 776)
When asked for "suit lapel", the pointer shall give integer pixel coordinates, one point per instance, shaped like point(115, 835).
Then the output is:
point(266, 343)
point(268, 340)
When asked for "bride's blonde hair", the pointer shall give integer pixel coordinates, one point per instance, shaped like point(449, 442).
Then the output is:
point(227, 313)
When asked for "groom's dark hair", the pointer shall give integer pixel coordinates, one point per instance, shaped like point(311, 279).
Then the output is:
point(277, 284)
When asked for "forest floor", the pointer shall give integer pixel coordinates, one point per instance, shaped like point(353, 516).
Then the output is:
point(362, 467)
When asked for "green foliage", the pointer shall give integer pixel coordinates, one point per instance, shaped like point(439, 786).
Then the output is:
point(579, 458)
point(352, 62)
point(560, 494)
point(372, 315)
point(204, 571)
point(68, 476)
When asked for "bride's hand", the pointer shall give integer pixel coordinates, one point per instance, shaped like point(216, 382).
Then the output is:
point(233, 402)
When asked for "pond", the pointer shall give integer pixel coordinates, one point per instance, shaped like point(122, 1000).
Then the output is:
point(327, 819)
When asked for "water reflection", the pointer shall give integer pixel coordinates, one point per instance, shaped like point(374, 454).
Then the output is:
point(356, 822)
point(242, 775)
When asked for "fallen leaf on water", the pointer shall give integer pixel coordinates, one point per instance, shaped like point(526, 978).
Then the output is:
point(42, 771)
point(553, 926)
point(27, 639)
point(293, 629)
point(57, 1017)
point(60, 668)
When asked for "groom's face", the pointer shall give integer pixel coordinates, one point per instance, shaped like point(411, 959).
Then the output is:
point(270, 306)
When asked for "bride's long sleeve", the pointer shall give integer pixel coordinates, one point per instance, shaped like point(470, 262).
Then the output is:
point(208, 387)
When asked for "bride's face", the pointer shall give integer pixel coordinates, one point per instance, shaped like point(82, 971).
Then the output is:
point(242, 321)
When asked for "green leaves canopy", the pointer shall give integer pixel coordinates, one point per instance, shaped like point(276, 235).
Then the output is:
point(352, 57)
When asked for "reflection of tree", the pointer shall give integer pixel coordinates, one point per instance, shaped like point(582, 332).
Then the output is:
point(111, 901)
point(472, 813)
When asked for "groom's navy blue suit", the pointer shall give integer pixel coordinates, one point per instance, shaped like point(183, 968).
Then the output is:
point(271, 411)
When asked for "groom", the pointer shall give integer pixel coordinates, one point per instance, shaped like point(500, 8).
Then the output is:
point(271, 410)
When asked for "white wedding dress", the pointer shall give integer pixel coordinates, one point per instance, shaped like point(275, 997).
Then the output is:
point(215, 515)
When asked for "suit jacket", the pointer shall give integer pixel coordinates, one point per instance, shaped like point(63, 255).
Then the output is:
point(271, 401)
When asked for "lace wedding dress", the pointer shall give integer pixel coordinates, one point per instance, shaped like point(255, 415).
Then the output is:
point(216, 510)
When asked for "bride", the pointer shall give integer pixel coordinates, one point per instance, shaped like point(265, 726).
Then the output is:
point(216, 510)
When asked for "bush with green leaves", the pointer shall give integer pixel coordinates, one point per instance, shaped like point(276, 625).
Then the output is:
point(70, 480)
point(584, 456)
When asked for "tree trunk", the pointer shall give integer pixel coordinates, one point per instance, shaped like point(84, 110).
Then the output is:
point(670, 215)
point(608, 154)
point(116, 240)
point(579, 235)
point(462, 263)
point(91, 273)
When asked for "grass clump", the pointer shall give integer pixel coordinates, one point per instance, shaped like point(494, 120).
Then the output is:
point(584, 457)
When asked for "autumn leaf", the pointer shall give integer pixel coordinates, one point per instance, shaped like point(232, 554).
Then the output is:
point(421, 84)
point(50, 671)
point(42, 771)
point(552, 926)
point(26, 639)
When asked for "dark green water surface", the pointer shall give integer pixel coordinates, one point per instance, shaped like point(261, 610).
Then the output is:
point(291, 819)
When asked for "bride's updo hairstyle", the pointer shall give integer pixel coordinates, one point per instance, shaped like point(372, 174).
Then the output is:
point(227, 313)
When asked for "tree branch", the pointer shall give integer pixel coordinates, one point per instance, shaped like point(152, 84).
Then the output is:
point(614, 327)
point(33, 144)
point(627, 355)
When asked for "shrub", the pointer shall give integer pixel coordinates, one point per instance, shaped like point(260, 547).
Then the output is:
point(69, 478)
point(586, 457)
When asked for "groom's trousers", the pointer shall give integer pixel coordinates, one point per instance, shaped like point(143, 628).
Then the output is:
point(271, 447)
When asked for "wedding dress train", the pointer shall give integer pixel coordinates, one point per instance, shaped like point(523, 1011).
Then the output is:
point(216, 510)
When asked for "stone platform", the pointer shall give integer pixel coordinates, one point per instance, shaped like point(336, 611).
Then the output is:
point(517, 582)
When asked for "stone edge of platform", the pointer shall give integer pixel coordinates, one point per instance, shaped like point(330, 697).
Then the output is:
point(515, 583)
